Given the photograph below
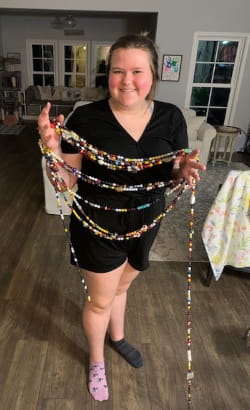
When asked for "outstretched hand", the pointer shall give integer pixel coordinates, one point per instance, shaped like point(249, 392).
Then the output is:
point(190, 167)
point(48, 135)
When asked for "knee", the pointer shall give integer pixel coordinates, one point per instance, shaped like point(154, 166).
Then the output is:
point(126, 280)
point(99, 305)
point(122, 288)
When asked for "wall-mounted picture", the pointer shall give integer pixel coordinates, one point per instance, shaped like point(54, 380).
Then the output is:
point(171, 67)
point(14, 56)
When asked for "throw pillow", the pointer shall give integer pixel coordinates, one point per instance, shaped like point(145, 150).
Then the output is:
point(45, 92)
point(37, 94)
point(71, 94)
point(76, 93)
point(66, 94)
point(193, 124)
point(57, 93)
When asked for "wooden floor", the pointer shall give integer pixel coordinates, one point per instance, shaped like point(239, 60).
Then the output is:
point(43, 351)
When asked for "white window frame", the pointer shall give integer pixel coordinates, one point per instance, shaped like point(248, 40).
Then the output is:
point(29, 43)
point(239, 68)
point(61, 44)
point(94, 46)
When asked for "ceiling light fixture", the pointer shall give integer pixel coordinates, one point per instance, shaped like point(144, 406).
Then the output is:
point(60, 23)
point(69, 21)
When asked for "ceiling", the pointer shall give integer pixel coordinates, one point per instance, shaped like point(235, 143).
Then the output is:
point(79, 13)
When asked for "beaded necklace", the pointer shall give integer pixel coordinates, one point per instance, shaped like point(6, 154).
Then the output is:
point(54, 161)
point(116, 162)
point(112, 161)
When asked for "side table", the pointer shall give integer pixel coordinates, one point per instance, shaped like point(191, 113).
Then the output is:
point(226, 139)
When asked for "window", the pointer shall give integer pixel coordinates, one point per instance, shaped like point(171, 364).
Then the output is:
point(100, 52)
point(74, 61)
point(216, 63)
point(42, 62)
point(67, 63)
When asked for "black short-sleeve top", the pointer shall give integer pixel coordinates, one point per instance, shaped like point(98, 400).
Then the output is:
point(165, 132)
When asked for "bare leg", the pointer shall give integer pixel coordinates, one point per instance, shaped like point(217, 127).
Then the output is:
point(96, 314)
point(117, 318)
point(108, 303)
point(117, 314)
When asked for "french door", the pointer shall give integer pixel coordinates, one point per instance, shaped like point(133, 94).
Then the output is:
point(42, 62)
point(74, 63)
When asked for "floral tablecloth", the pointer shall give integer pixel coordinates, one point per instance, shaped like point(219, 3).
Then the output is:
point(226, 232)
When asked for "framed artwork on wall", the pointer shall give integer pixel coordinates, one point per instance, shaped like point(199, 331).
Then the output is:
point(171, 67)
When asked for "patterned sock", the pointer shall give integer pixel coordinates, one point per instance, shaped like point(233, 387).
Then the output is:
point(97, 381)
point(127, 351)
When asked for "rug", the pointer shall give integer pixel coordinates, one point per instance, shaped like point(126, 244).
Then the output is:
point(11, 129)
point(172, 240)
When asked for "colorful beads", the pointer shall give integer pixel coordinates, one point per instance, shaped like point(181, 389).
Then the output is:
point(190, 374)
point(111, 161)
point(118, 162)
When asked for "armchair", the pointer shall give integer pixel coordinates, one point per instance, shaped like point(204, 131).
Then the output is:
point(200, 133)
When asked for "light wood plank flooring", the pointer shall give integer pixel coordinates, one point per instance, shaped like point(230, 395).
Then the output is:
point(43, 351)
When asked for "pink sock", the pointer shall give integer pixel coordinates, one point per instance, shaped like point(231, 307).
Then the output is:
point(97, 381)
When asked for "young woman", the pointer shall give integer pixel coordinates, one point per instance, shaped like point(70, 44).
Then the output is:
point(129, 123)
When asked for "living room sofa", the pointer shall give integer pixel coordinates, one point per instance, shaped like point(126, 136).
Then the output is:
point(62, 98)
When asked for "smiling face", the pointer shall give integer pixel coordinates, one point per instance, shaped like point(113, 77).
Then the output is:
point(130, 76)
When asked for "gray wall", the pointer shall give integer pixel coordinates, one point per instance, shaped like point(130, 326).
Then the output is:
point(17, 29)
point(177, 22)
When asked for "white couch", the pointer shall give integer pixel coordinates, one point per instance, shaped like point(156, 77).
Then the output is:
point(200, 133)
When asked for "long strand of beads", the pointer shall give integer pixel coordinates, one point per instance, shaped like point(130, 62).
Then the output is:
point(122, 210)
point(190, 373)
point(104, 233)
point(113, 161)
point(51, 158)
point(57, 185)
point(75, 196)
point(97, 229)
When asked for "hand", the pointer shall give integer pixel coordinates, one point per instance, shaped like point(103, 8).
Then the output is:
point(48, 135)
point(189, 167)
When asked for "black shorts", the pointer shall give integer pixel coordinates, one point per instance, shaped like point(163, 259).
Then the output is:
point(103, 255)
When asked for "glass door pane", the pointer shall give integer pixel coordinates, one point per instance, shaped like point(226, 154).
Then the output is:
point(75, 63)
point(99, 58)
point(43, 64)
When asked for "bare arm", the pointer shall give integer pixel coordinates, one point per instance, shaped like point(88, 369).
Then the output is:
point(52, 140)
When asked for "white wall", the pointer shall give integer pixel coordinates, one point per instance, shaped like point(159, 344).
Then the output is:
point(177, 21)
